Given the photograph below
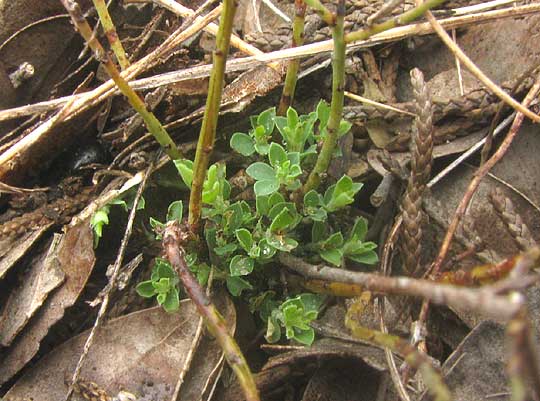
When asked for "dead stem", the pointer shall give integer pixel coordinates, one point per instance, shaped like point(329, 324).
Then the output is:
point(485, 300)
point(419, 361)
point(173, 238)
point(523, 362)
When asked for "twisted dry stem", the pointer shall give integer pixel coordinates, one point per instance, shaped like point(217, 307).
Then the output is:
point(421, 159)
point(173, 238)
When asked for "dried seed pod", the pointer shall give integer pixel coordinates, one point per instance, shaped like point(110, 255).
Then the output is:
point(421, 148)
point(518, 229)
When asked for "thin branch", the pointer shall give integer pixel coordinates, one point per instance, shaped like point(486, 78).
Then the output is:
point(336, 105)
point(207, 134)
point(291, 77)
point(173, 237)
point(485, 300)
point(152, 123)
point(110, 32)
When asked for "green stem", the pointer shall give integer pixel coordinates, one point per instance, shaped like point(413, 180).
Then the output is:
point(326, 15)
point(110, 33)
point(291, 77)
point(403, 19)
point(152, 123)
point(172, 240)
point(207, 135)
point(336, 106)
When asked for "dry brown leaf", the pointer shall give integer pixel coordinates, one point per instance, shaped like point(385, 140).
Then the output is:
point(44, 275)
point(141, 353)
point(13, 249)
point(76, 258)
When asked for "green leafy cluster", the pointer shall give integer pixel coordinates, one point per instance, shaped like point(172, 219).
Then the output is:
point(243, 237)
point(293, 316)
point(163, 284)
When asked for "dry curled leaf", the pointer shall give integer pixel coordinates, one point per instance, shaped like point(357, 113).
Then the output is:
point(76, 259)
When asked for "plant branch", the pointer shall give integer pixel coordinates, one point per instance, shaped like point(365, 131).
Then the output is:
point(111, 34)
point(485, 300)
point(336, 106)
point(173, 238)
point(403, 19)
point(207, 134)
point(326, 15)
point(152, 123)
point(291, 77)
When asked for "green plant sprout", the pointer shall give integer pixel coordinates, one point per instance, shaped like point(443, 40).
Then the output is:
point(244, 237)
point(101, 217)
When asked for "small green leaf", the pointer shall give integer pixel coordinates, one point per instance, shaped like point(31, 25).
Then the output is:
point(241, 265)
point(333, 256)
point(266, 119)
point(360, 229)
point(312, 199)
point(292, 118)
point(185, 168)
point(276, 155)
point(368, 258)
point(261, 171)
point(225, 250)
point(164, 269)
point(267, 251)
point(283, 220)
point(305, 337)
point(175, 211)
point(156, 224)
point(344, 127)
point(318, 231)
point(262, 205)
point(146, 289)
point(266, 187)
point(334, 241)
point(312, 302)
point(98, 220)
point(172, 301)
point(281, 242)
point(242, 143)
point(273, 330)
point(163, 285)
point(236, 285)
point(244, 238)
